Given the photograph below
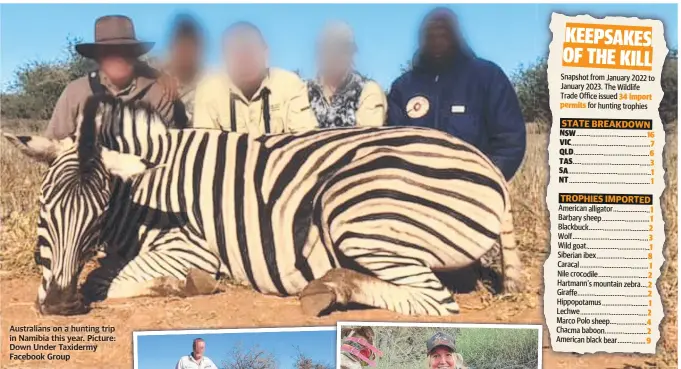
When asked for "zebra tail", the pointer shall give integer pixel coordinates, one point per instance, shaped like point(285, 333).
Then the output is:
point(507, 237)
point(511, 263)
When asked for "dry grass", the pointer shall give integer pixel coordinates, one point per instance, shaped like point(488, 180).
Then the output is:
point(480, 348)
point(21, 180)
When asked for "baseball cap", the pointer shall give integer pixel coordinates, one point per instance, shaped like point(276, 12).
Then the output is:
point(440, 339)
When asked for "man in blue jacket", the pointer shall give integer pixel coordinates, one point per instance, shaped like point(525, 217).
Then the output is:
point(452, 90)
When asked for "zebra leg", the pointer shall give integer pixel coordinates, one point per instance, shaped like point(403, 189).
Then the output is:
point(401, 287)
point(165, 271)
point(489, 270)
point(511, 263)
point(417, 294)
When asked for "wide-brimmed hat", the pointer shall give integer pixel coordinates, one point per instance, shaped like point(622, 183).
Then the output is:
point(114, 31)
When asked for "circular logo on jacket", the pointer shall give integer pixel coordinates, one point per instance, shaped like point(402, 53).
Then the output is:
point(417, 107)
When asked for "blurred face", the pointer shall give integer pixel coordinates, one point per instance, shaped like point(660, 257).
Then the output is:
point(246, 57)
point(441, 357)
point(118, 64)
point(438, 39)
point(199, 348)
point(185, 54)
point(335, 60)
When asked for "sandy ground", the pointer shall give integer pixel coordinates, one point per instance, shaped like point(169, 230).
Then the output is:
point(239, 307)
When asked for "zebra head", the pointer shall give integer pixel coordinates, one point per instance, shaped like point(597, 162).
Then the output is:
point(74, 197)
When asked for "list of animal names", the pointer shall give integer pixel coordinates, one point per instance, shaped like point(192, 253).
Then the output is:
point(606, 179)
point(604, 268)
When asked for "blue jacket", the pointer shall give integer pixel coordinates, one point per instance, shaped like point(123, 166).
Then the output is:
point(472, 100)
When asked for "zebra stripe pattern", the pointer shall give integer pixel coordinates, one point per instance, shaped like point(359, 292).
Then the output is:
point(363, 215)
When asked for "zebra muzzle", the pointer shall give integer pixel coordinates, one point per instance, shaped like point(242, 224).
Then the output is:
point(60, 301)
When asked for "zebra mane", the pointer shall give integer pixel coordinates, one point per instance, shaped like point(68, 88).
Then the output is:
point(89, 149)
point(103, 121)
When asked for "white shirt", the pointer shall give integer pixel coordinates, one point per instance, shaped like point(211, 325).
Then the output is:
point(188, 362)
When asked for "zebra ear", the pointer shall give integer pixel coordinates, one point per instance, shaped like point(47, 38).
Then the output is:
point(125, 166)
point(42, 149)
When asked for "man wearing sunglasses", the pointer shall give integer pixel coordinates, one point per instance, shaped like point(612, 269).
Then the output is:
point(116, 52)
point(251, 97)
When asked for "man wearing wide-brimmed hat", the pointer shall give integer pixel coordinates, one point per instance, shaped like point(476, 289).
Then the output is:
point(116, 51)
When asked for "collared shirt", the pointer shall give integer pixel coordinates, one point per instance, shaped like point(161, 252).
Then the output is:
point(106, 82)
point(188, 362)
point(289, 107)
point(72, 100)
point(187, 94)
point(358, 102)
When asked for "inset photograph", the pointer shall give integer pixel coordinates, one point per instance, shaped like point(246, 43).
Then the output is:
point(438, 346)
point(265, 348)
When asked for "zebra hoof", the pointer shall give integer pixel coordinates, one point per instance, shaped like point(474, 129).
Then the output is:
point(453, 309)
point(317, 298)
point(164, 286)
point(200, 283)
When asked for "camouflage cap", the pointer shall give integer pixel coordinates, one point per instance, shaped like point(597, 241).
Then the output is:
point(440, 339)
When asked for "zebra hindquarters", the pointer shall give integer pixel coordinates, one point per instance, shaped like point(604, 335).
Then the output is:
point(394, 217)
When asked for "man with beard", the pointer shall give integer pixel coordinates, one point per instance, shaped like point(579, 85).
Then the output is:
point(452, 90)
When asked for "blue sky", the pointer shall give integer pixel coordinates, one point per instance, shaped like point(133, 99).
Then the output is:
point(163, 351)
point(508, 34)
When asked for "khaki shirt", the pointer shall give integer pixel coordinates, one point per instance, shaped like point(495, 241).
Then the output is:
point(72, 99)
point(372, 107)
point(187, 95)
point(289, 106)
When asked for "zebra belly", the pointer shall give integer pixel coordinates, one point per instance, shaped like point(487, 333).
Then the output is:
point(443, 192)
point(276, 270)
